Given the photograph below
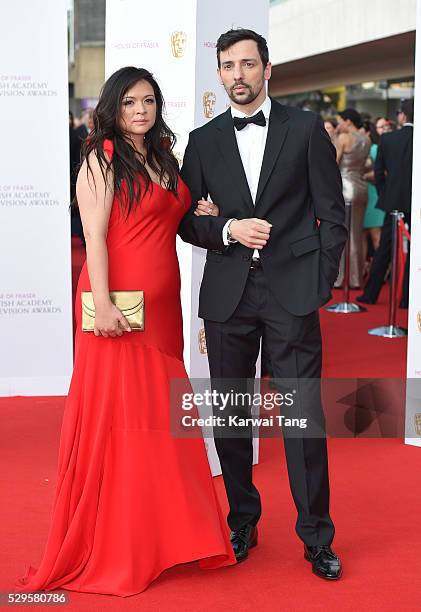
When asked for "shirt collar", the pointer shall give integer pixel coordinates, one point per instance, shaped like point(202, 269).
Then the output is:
point(265, 107)
point(407, 124)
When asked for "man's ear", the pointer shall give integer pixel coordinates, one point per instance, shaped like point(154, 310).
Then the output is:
point(218, 72)
point(268, 71)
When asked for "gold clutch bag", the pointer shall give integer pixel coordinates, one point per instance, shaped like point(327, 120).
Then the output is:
point(131, 304)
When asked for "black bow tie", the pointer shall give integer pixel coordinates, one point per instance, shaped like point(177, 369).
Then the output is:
point(241, 122)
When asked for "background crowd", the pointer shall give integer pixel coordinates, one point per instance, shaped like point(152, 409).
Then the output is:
point(79, 128)
point(375, 160)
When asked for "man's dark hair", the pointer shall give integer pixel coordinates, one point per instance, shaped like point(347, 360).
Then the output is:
point(353, 115)
point(407, 107)
point(230, 38)
point(370, 129)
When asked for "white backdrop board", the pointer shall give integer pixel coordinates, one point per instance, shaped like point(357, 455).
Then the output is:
point(35, 269)
point(413, 393)
point(177, 42)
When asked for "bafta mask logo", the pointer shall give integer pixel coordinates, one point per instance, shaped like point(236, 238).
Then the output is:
point(178, 43)
point(417, 419)
point(419, 321)
point(209, 102)
point(202, 341)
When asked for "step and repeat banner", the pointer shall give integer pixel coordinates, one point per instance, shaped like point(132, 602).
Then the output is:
point(35, 270)
point(177, 42)
point(413, 391)
point(164, 42)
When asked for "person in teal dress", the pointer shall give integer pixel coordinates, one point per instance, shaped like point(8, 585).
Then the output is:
point(373, 217)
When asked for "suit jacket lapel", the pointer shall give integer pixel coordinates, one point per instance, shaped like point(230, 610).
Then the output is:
point(229, 150)
point(277, 131)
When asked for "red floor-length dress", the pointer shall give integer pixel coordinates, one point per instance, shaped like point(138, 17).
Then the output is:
point(131, 499)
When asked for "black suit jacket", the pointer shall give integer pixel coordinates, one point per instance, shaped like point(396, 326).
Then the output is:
point(82, 132)
point(393, 170)
point(75, 144)
point(299, 184)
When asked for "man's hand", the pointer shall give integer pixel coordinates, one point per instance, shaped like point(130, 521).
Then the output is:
point(252, 233)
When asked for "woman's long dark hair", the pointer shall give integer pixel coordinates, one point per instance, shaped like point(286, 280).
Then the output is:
point(126, 165)
point(370, 130)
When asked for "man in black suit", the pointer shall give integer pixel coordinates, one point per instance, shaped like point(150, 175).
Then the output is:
point(86, 124)
point(393, 173)
point(272, 171)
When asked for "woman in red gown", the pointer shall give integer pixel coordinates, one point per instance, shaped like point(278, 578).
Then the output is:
point(131, 499)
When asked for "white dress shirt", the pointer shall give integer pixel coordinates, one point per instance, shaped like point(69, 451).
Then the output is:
point(251, 142)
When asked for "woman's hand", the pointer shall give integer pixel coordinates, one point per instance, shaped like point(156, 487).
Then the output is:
point(205, 208)
point(109, 321)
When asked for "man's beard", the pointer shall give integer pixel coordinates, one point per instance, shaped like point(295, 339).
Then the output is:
point(243, 99)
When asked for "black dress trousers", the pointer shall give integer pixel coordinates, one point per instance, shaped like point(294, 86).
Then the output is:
point(381, 261)
point(293, 346)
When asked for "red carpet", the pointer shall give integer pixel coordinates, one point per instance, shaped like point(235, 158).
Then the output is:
point(348, 349)
point(375, 506)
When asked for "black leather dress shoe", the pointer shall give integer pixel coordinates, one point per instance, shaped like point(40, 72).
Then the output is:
point(364, 300)
point(324, 561)
point(242, 540)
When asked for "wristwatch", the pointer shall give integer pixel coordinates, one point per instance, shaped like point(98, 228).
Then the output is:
point(230, 239)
